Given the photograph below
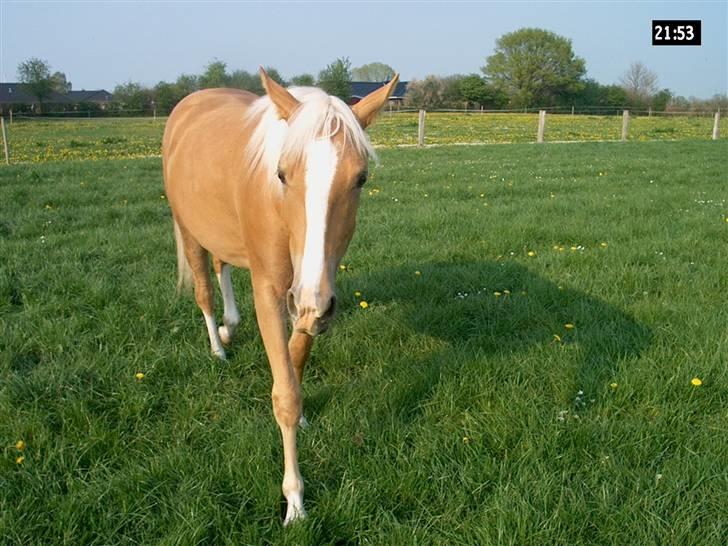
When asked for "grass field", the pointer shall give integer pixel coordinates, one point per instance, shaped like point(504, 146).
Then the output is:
point(132, 138)
point(458, 408)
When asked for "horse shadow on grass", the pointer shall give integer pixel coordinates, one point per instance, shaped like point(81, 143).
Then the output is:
point(487, 313)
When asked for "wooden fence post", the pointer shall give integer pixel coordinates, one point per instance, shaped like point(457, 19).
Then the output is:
point(716, 126)
point(11, 116)
point(625, 125)
point(421, 130)
point(541, 125)
point(5, 141)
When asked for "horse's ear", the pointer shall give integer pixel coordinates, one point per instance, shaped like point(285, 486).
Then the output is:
point(285, 103)
point(366, 109)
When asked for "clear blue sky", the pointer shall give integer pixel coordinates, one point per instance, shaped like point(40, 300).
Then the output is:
point(100, 44)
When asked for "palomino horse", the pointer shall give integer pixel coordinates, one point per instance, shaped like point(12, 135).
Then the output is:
point(271, 184)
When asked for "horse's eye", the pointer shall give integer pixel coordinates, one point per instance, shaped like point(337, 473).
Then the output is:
point(362, 179)
point(282, 177)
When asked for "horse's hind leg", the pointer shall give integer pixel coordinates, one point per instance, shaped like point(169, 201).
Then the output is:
point(231, 317)
point(199, 262)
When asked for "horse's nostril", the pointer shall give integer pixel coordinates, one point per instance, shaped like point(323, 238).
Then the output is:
point(330, 310)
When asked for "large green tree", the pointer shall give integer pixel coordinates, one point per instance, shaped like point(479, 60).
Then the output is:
point(215, 75)
point(35, 75)
point(335, 79)
point(535, 67)
point(373, 72)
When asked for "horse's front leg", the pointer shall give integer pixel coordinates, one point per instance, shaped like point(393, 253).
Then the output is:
point(299, 347)
point(286, 393)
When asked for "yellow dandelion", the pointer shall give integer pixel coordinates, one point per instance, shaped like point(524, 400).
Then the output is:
point(20, 445)
point(531, 253)
point(557, 337)
point(696, 382)
point(342, 267)
point(162, 197)
point(466, 440)
point(19, 459)
point(603, 245)
point(573, 249)
point(556, 247)
point(507, 292)
point(357, 294)
point(569, 326)
point(363, 304)
point(497, 294)
point(613, 385)
point(139, 376)
point(417, 273)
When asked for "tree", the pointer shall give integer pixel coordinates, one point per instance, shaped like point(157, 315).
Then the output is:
point(214, 75)
point(535, 67)
point(661, 99)
point(242, 79)
point(640, 83)
point(187, 83)
point(60, 83)
point(594, 93)
point(427, 93)
point(35, 75)
point(304, 80)
point(373, 72)
point(166, 96)
point(476, 91)
point(131, 96)
point(335, 79)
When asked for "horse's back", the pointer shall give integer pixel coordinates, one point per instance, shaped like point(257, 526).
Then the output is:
point(202, 153)
point(220, 110)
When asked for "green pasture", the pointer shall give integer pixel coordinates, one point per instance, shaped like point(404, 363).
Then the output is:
point(38, 141)
point(543, 359)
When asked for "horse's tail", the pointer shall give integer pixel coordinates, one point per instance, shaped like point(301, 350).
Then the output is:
point(184, 271)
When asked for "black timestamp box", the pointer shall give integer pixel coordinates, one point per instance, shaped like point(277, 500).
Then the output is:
point(675, 32)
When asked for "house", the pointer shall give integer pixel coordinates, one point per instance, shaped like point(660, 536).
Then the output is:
point(359, 90)
point(16, 97)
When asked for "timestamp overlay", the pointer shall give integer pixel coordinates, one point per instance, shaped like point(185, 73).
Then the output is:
point(676, 32)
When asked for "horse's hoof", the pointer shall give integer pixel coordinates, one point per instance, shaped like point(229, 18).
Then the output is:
point(224, 335)
point(293, 515)
point(303, 422)
point(220, 354)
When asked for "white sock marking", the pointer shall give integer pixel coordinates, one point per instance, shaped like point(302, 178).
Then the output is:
point(215, 342)
point(231, 317)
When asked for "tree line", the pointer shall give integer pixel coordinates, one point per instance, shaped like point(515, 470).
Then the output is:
point(529, 68)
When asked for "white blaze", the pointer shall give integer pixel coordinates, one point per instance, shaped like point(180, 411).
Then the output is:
point(321, 161)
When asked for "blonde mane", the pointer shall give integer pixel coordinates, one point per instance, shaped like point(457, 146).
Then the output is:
point(320, 116)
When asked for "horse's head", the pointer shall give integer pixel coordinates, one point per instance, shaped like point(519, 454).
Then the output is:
point(322, 168)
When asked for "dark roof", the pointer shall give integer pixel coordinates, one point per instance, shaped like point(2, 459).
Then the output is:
point(16, 93)
point(98, 95)
point(362, 89)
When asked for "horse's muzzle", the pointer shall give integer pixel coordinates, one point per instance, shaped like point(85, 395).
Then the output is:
point(310, 320)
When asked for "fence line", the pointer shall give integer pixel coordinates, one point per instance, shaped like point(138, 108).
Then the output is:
point(542, 125)
point(572, 110)
point(443, 130)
